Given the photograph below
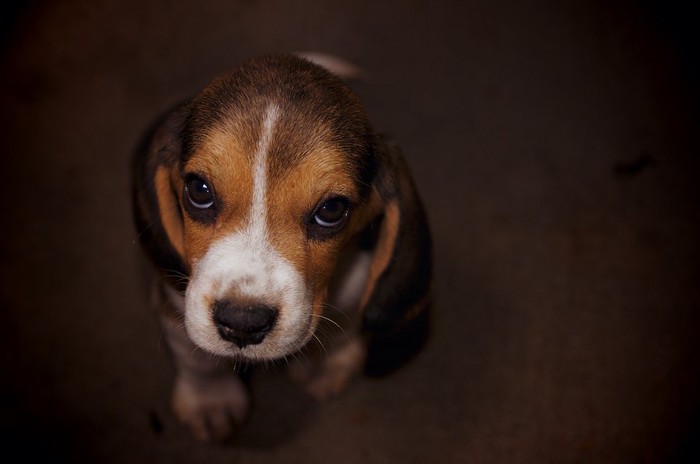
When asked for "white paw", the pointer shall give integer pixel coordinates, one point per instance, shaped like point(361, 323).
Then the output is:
point(331, 381)
point(213, 408)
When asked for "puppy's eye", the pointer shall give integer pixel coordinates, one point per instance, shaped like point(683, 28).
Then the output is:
point(329, 218)
point(198, 193)
point(199, 200)
point(331, 213)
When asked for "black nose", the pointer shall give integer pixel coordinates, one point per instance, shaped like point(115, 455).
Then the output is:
point(243, 324)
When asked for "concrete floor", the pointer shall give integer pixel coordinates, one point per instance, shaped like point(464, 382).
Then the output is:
point(555, 145)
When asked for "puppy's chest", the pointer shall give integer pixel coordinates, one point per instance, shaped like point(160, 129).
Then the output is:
point(349, 279)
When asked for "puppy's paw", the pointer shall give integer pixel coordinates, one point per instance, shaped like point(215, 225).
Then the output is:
point(212, 409)
point(335, 371)
point(331, 381)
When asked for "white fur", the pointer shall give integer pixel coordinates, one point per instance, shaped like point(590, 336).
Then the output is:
point(351, 282)
point(247, 262)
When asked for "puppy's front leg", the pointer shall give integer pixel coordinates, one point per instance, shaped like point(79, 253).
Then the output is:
point(338, 368)
point(208, 396)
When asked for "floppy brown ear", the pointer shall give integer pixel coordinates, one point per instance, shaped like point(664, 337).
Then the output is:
point(400, 273)
point(156, 186)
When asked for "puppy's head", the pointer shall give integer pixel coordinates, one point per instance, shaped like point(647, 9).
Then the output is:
point(257, 185)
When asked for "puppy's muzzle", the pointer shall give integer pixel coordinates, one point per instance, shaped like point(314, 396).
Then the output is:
point(244, 325)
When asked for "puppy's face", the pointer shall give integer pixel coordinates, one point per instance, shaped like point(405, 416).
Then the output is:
point(273, 182)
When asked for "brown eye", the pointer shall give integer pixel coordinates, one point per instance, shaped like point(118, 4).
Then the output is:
point(198, 193)
point(199, 200)
point(328, 218)
point(331, 213)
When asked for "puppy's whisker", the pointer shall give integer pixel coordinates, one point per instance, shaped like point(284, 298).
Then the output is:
point(175, 276)
point(324, 318)
point(143, 231)
point(296, 356)
point(175, 273)
point(337, 311)
point(300, 355)
point(323, 347)
point(331, 330)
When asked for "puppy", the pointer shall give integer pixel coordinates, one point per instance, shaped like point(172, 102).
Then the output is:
point(275, 215)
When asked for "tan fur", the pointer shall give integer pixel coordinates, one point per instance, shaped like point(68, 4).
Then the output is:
point(290, 200)
point(225, 162)
point(384, 249)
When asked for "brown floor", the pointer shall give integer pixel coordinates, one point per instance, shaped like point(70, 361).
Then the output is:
point(556, 147)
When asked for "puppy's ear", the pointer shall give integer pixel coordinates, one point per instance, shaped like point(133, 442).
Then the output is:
point(400, 273)
point(156, 187)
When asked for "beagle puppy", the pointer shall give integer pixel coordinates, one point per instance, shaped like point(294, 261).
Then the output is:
point(275, 215)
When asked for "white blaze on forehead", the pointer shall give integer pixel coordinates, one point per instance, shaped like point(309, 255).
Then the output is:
point(246, 264)
point(258, 221)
